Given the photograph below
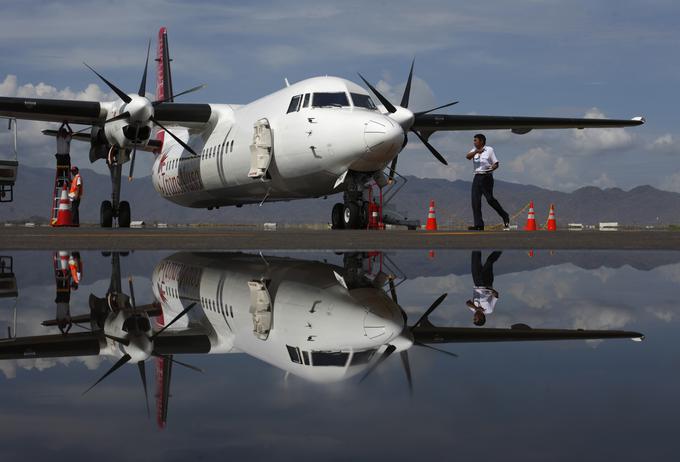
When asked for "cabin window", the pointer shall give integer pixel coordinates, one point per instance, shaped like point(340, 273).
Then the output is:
point(363, 101)
point(305, 103)
point(294, 104)
point(338, 99)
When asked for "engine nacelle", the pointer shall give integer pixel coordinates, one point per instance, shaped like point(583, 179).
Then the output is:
point(124, 135)
point(99, 145)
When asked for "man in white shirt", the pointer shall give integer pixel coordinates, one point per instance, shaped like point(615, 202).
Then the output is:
point(485, 162)
point(484, 296)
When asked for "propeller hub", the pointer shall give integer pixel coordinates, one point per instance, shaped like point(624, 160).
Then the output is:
point(140, 109)
point(139, 349)
point(403, 117)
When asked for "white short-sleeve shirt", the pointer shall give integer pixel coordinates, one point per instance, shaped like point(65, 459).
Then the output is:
point(484, 298)
point(484, 160)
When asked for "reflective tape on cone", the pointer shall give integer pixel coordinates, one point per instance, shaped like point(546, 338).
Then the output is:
point(552, 223)
point(64, 216)
point(531, 218)
point(431, 224)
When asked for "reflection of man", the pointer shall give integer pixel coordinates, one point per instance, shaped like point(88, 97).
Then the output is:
point(484, 296)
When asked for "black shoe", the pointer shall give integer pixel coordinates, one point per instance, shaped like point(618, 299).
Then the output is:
point(475, 228)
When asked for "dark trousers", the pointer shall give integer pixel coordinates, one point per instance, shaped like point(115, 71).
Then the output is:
point(482, 185)
point(75, 215)
point(482, 275)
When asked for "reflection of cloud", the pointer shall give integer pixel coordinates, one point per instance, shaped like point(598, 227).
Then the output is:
point(663, 311)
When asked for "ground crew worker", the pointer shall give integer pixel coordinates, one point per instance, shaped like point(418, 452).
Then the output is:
point(75, 265)
point(485, 162)
point(484, 296)
point(75, 194)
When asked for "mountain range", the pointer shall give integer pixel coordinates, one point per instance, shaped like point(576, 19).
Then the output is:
point(643, 205)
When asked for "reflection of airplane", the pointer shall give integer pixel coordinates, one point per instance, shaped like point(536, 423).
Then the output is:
point(314, 138)
point(318, 321)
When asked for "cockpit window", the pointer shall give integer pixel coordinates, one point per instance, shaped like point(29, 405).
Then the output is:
point(329, 358)
point(338, 99)
point(294, 104)
point(363, 101)
point(362, 357)
point(306, 100)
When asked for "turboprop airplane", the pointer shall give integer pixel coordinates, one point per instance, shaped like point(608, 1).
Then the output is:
point(321, 322)
point(313, 138)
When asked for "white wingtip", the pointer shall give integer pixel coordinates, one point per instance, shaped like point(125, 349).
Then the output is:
point(639, 119)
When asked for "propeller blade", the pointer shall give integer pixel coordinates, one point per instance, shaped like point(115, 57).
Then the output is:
point(425, 345)
point(121, 116)
point(115, 89)
point(134, 154)
point(182, 143)
point(389, 106)
point(132, 293)
point(142, 86)
point(386, 354)
point(431, 148)
point(393, 291)
point(180, 363)
point(393, 168)
point(407, 89)
point(434, 109)
point(113, 369)
point(175, 319)
point(430, 309)
point(190, 90)
point(142, 373)
point(407, 369)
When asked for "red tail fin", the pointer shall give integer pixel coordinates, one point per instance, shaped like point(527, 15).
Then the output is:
point(163, 76)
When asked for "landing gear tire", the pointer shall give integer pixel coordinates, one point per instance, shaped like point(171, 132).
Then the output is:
point(336, 216)
point(364, 216)
point(124, 214)
point(351, 216)
point(106, 214)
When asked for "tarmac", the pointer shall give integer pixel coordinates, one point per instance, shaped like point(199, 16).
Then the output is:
point(223, 238)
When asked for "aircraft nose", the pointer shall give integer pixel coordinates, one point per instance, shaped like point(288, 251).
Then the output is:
point(380, 322)
point(383, 138)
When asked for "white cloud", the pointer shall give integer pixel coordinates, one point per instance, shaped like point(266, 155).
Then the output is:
point(671, 182)
point(595, 140)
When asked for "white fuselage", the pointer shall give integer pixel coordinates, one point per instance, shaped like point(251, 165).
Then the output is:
point(316, 328)
point(310, 148)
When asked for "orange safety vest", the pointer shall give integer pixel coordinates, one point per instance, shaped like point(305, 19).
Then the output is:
point(76, 269)
point(76, 191)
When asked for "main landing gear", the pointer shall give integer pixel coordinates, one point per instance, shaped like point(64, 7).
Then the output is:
point(352, 213)
point(115, 208)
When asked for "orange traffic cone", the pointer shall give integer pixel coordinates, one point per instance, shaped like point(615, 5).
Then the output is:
point(531, 253)
point(531, 218)
point(64, 217)
point(430, 255)
point(431, 224)
point(552, 223)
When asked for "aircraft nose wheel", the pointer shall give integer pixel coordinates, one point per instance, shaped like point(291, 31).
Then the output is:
point(337, 221)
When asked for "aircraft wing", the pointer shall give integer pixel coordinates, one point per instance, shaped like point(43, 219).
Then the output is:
point(52, 346)
point(93, 112)
point(429, 334)
point(430, 123)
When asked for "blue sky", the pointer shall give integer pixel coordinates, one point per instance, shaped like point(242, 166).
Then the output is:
point(528, 57)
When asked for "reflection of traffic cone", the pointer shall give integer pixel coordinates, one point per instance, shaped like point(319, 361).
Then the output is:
point(430, 255)
point(552, 223)
point(531, 253)
point(531, 218)
point(431, 220)
point(64, 217)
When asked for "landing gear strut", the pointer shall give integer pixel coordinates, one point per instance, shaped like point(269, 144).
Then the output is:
point(115, 208)
point(352, 213)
